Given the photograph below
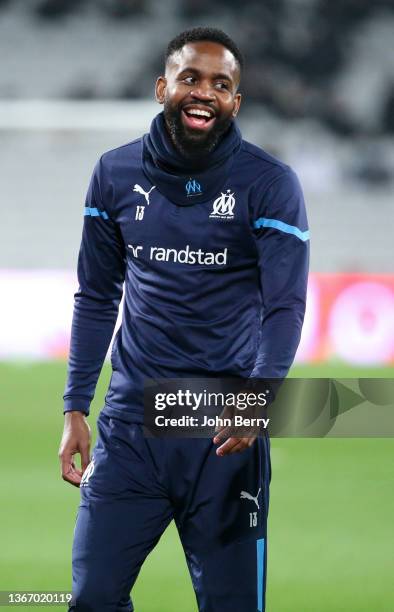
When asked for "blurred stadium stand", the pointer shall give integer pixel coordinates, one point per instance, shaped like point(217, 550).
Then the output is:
point(305, 58)
point(319, 93)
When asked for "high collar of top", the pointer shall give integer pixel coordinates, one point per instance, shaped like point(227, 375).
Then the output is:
point(172, 174)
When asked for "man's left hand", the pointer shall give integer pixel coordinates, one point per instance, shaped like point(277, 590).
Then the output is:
point(232, 445)
point(227, 436)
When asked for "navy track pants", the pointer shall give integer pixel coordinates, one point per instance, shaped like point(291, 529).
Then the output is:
point(135, 486)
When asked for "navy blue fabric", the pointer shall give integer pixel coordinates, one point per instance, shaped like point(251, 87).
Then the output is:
point(209, 289)
point(138, 486)
point(167, 169)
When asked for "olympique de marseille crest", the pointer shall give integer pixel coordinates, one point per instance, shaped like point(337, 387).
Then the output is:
point(223, 206)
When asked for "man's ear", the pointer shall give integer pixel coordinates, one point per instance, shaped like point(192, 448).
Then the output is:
point(160, 89)
point(237, 104)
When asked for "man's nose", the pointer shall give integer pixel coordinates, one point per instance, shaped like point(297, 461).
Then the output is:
point(203, 92)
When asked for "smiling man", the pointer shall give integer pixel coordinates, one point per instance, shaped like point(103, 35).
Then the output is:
point(196, 125)
point(209, 235)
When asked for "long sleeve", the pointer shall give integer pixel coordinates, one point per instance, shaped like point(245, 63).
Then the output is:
point(101, 270)
point(282, 241)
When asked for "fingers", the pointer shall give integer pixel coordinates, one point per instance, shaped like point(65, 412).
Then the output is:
point(227, 413)
point(85, 457)
point(233, 445)
point(223, 433)
point(75, 440)
point(69, 472)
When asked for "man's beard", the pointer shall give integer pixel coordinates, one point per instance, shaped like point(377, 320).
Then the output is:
point(191, 146)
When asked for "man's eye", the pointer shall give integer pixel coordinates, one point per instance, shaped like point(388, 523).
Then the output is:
point(190, 80)
point(222, 85)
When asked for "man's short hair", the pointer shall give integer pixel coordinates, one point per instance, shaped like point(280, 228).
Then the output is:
point(204, 34)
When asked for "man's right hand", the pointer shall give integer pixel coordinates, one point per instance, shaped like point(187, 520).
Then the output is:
point(76, 439)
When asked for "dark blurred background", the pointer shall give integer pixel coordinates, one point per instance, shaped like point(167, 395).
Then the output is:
point(305, 59)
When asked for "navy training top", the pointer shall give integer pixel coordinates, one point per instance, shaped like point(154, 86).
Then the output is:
point(214, 283)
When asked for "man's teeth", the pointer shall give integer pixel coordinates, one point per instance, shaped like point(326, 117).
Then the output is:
point(198, 112)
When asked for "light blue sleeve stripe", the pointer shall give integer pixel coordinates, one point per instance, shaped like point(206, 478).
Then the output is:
point(95, 212)
point(282, 227)
point(260, 573)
